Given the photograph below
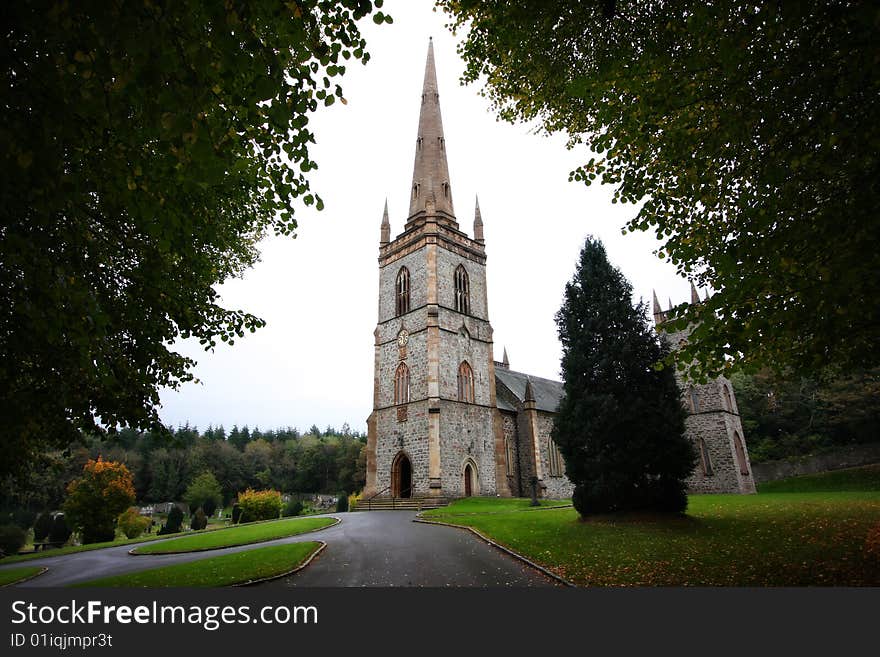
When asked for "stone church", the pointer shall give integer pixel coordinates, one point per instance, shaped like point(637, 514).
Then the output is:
point(448, 420)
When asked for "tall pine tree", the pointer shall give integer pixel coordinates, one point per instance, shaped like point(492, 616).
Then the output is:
point(620, 425)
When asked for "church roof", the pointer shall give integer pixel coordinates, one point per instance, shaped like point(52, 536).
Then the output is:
point(547, 393)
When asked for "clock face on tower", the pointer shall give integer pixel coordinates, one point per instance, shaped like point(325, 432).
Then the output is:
point(402, 338)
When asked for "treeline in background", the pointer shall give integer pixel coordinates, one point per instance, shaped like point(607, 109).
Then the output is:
point(286, 460)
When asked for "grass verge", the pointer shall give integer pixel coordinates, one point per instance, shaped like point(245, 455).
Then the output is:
point(241, 535)
point(785, 539)
point(851, 479)
point(225, 570)
point(13, 575)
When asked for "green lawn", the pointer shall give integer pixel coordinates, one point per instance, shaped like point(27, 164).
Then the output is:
point(851, 479)
point(13, 575)
point(240, 535)
point(224, 570)
point(496, 504)
point(70, 549)
point(780, 539)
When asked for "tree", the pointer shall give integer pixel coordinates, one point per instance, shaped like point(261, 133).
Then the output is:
point(174, 522)
point(199, 520)
point(620, 424)
point(95, 500)
point(749, 132)
point(204, 493)
point(792, 416)
point(144, 149)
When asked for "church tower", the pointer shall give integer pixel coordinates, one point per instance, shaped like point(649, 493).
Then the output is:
point(434, 430)
point(713, 423)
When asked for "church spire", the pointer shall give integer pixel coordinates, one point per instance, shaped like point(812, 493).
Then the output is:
point(695, 298)
point(478, 224)
point(430, 185)
point(385, 233)
point(505, 360)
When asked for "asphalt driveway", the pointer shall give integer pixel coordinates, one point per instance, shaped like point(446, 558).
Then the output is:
point(376, 548)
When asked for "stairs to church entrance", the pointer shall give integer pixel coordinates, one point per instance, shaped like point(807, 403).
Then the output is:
point(401, 504)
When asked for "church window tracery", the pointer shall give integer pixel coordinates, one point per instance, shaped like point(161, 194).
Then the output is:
point(401, 384)
point(402, 291)
point(462, 291)
point(465, 383)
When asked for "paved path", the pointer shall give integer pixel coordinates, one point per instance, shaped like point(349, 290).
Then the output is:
point(385, 548)
point(376, 548)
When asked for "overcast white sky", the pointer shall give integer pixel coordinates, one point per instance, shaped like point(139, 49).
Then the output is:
point(313, 362)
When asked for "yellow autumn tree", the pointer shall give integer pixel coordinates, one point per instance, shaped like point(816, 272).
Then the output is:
point(96, 499)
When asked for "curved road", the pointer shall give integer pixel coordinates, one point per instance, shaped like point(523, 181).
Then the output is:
point(375, 548)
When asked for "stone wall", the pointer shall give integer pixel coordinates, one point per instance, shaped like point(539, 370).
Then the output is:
point(417, 362)
point(411, 437)
point(447, 262)
point(510, 436)
point(850, 456)
point(466, 435)
point(555, 487)
point(418, 284)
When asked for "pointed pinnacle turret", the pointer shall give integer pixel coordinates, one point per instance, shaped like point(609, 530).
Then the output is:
point(530, 395)
point(505, 360)
point(478, 224)
point(430, 185)
point(385, 232)
point(670, 303)
point(659, 315)
point(695, 297)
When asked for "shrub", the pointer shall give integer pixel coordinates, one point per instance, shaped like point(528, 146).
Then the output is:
point(132, 523)
point(259, 505)
point(42, 526)
point(342, 502)
point(175, 520)
point(60, 532)
point(199, 520)
point(292, 508)
point(12, 539)
point(236, 513)
point(353, 500)
point(95, 500)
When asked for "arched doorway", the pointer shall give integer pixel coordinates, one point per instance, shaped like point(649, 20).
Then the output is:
point(401, 476)
point(468, 480)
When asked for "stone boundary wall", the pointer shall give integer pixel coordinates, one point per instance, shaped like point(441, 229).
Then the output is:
point(842, 457)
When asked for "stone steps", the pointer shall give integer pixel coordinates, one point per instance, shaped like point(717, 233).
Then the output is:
point(401, 504)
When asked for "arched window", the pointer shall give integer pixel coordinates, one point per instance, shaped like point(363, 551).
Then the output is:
point(401, 384)
point(402, 288)
point(511, 455)
point(740, 454)
point(462, 291)
point(705, 461)
point(728, 400)
point(557, 465)
point(695, 402)
point(465, 383)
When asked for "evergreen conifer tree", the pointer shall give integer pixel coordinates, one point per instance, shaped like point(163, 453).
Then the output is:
point(620, 424)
